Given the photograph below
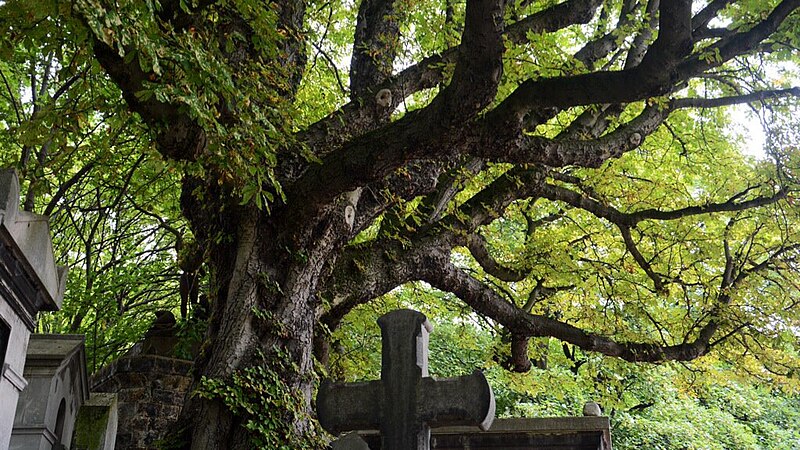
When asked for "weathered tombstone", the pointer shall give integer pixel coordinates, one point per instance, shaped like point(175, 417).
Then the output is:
point(96, 424)
point(57, 387)
point(29, 282)
point(406, 402)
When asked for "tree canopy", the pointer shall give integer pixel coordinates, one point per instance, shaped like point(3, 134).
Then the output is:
point(568, 172)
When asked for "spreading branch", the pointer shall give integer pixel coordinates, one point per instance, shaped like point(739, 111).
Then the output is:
point(477, 246)
point(485, 301)
point(375, 45)
point(623, 219)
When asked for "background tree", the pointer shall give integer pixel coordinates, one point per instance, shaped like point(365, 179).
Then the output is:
point(87, 163)
point(561, 168)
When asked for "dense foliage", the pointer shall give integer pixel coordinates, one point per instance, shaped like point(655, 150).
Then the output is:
point(88, 164)
point(565, 177)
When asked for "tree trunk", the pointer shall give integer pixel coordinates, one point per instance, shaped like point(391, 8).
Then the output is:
point(264, 315)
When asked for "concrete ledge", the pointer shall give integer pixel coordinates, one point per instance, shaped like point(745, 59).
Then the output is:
point(564, 433)
point(141, 364)
point(14, 378)
point(96, 424)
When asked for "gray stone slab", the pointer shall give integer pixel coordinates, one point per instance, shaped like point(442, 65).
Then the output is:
point(12, 381)
point(29, 282)
point(549, 433)
point(28, 237)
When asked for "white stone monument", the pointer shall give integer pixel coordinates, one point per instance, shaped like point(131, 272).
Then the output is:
point(30, 282)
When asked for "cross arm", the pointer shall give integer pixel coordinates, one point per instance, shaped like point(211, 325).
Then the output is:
point(466, 400)
point(352, 406)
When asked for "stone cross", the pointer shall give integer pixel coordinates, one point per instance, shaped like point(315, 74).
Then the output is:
point(405, 403)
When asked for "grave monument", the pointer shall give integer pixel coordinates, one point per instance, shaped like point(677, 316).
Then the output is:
point(405, 403)
point(57, 388)
point(30, 282)
point(398, 412)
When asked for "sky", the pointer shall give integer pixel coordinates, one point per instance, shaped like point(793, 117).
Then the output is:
point(746, 123)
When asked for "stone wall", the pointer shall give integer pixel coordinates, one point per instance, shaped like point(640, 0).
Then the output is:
point(150, 391)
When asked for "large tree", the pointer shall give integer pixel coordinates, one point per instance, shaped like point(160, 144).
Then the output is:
point(330, 156)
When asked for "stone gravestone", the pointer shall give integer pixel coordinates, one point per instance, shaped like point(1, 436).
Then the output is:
point(57, 387)
point(30, 282)
point(160, 339)
point(405, 403)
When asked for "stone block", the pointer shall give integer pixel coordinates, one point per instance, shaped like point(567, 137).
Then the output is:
point(133, 395)
point(27, 236)
point(151, 390)
point(167, 397)
point(96, 426)
point(143, 364)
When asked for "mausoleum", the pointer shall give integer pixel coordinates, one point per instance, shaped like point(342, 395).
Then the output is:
point(57, 387)
point(30, 282)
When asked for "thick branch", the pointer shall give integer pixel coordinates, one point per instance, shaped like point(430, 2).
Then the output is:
point(375, 45)
point(622, 219)
point(562, 15)
point(598, 48)
point(488, 303)
point(477, 247)
point(177, 135)
point(584, 153)
point(448, 186)
point(365, 272)
point(702, 18)
point(658, 284)
point(735, 99)
point(372, 269)
point(658, 73)
point(639, 45)
point(654, 76)
point(739, 43)
point(415, 179)
point(519, 361)
point(335, 129)
point(674, 34)
point(479, 65)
